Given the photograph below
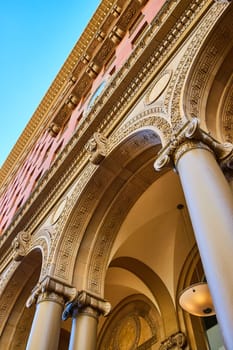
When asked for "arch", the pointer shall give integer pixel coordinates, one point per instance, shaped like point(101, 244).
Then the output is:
point(180, 81)
point(208, 89)
point(15, 318)
point(80, 226)
point(42, 240)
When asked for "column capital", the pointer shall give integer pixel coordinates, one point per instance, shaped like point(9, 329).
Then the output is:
point(191, 136)
point(87, 301)
point(176, 340)
point(51, 289)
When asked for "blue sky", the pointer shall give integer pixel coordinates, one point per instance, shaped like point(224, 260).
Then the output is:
point(35, 37)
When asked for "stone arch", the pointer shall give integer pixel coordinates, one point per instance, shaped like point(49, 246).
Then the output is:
point(88, 207)
point(177, 101)
point(130, 167)
point(208, 92)
point(42, 240)
point(15, 318)
point(151, 118)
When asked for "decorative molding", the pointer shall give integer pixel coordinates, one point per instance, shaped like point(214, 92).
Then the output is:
point(49, 296)
point(226, 113)
point(54, 129)
point(174, 97)
point(190, 136)
point(87, 300)
point(96, 147)
point(20, 245)
point(175, 341)
point(49, 287)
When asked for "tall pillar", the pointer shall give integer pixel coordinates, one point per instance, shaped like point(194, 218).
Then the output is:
point(210, 203)
point(50, 297)
point(85, 310)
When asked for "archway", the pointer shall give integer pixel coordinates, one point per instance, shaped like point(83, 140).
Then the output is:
point(16, 322)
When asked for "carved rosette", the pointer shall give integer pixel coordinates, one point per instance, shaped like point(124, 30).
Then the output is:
point(96, 147)
point(87, 303)
point(20, 245)
point(189, 137)
point(175, 341)
point(51, 289)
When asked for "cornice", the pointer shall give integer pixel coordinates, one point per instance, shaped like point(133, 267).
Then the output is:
point(40, 115)
point(130, 81)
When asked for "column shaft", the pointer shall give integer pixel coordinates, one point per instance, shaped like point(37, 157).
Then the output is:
point(45, 328)
point(84, 330)
point(210, 203)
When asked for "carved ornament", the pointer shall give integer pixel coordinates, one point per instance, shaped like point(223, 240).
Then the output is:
point(175, 91)
point(54, 129)
point(190, 136)
point(175, 341)
point(87, 300)
point(96, 147)
point(20, 245)
point(48, 289)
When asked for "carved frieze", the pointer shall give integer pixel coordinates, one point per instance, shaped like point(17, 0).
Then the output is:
point(179, 78)
point(227, 114)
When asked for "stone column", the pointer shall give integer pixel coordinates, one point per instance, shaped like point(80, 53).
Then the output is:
point(210, 203)
point(85, 310)
point(50, 296)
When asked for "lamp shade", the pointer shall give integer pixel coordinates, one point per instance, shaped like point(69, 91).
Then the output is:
point(196, 300)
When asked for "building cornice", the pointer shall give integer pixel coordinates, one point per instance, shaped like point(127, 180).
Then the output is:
point(39, 117)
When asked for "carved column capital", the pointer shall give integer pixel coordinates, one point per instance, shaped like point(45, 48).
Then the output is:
point(20, 245)
point(51, 296)
point(191, 136)
point(88, 303)
point(222, 1)
point(51, 289)
point(175, 341)
point(96, 147)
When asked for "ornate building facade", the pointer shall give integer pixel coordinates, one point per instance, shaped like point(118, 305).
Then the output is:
point(118, 193)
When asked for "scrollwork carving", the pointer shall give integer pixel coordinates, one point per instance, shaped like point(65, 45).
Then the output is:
point(175, 341)
point(85, 300)
point(20, 245)
point(191, 136)
point(48, 288)
point(96, 147)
